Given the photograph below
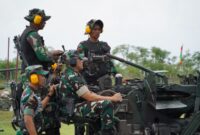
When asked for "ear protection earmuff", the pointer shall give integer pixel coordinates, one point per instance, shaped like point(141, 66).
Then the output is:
point(37, 19)
point(34, 78)
point(73, 61)
point(54, 66)
point(87, 29)
point(91, 24)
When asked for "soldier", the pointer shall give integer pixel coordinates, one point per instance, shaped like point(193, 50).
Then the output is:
point(74, 86)
point(93, 46)
point(32, 43)
point(31, 104)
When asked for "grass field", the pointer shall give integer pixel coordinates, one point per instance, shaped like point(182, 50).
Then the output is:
point(5, 124)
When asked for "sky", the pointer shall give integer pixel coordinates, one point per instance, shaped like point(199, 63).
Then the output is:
point(166, 24)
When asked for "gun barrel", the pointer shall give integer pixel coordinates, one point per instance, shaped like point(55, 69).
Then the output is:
point(134, 65)
point(63, 47)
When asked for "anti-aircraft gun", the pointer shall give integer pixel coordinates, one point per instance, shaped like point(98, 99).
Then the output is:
point(152, 108)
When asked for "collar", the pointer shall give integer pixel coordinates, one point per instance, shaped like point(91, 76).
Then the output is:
point(92, 41)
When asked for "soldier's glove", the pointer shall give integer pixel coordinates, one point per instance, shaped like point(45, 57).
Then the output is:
point(55, 54)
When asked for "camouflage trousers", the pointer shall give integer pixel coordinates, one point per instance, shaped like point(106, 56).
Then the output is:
point(102, 109)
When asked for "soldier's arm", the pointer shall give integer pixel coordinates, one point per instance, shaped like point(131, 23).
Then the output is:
point(30, 126)
point(49, 95)
point(38, 46)
point(83, 92)
point(91, 96)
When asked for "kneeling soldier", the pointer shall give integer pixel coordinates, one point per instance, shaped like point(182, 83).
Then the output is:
point(31, 104)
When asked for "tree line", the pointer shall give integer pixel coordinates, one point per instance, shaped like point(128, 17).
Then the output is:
point(155, 59)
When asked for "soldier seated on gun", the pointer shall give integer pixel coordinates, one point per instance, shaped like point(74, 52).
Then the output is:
point(31, 104)
point(32, 44)
point(74, 86)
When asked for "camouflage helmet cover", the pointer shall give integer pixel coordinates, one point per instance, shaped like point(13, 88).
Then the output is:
point(34, 12)
point(74, 53)
point(37, 69)
point(94, 22)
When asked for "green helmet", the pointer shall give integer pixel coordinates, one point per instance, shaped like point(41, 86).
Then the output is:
point(34, 12)
point(37, 69)
point(94, 22)
point(74, 53)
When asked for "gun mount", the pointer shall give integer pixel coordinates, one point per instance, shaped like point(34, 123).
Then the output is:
point(152, 108)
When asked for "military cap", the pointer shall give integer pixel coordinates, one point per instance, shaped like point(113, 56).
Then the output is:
point(37, 69)
point(74, 53)
point(94, 22)
point(34, 12)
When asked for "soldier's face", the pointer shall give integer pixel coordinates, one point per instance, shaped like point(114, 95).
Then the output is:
point(41, 26)
point(96, 31)
point(79, 64)
point(42, 80)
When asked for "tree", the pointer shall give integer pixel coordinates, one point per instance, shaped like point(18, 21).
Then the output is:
point(196, 59)
point(159, 55)
point(154, 59)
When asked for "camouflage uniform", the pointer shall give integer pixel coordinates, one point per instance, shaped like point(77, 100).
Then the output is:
point(30, 103)
point(73, 86)
point(32, 44)
point(46, 119)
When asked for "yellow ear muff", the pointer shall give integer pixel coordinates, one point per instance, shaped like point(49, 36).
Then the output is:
point(54, 66)
point(34, 79)
point(87, 29)
point(37, 19)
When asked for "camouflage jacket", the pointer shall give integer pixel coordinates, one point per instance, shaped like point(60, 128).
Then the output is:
point(33, 47)
point(30, 103)
point(73, 84)
point(72, 87)
point(37, 43)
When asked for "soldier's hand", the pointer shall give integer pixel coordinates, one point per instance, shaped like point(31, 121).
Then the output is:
point(59, 67)
point(57, 52)
point(52, 90)
point(117, 97)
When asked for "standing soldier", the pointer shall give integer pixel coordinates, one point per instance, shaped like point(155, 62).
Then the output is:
point(32, 43)
point(31, 104)
point(91, 46)
point(73, 86)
